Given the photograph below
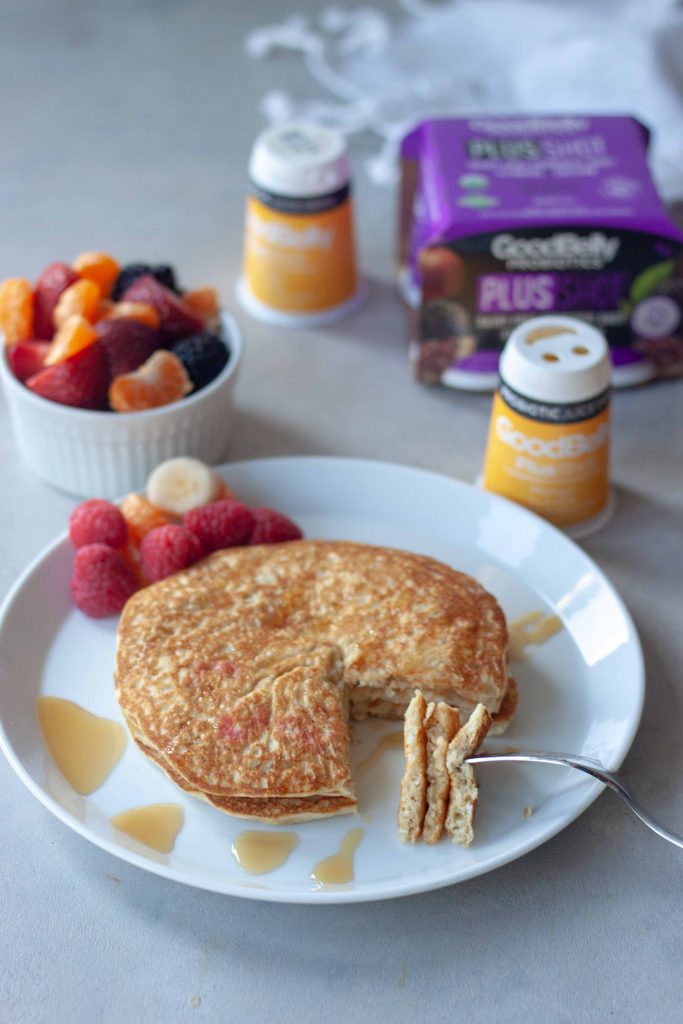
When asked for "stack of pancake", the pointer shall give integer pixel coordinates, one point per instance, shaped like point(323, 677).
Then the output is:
point(439, 789)
point(238, 676)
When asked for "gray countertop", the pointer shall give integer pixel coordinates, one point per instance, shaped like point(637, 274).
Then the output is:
point(127, 127)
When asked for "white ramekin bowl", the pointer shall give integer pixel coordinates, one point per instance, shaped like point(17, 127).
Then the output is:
point(107, 454)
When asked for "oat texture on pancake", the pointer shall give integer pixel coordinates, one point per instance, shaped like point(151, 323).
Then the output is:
point(239, 676)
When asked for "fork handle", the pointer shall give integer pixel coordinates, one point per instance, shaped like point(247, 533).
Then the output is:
point(598, 771)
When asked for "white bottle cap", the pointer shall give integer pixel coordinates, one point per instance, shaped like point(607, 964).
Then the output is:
point(299, 159)
point(556, 359)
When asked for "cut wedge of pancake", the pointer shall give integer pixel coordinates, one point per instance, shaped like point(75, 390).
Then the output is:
point(413, 799)
point(269, 811)
point(441, 723)
point(463, 795)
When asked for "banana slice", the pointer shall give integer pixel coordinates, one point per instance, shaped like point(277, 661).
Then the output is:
point(179, 484)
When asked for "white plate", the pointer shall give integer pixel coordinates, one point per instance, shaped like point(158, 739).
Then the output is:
point(581, 692)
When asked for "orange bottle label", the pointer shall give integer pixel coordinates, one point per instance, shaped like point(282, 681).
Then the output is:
point(558, 469)
point(299, 263)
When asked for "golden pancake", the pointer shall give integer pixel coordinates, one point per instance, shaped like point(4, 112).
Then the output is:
point(238, 675)
point(283, 811)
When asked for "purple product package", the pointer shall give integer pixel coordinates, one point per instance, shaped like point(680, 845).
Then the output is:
point(505, 218)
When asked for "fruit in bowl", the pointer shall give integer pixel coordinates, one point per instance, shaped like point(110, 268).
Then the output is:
point(109, 370)
point(98, 336)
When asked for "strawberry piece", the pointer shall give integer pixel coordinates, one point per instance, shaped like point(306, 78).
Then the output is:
point(101, 582)
point(221, 524)
point(97, 522)
point(49, 286)
point(271, 527)
point(177, 320)
point(80, 381)
point(27, 357)
point(168, 549)
point(127, 343)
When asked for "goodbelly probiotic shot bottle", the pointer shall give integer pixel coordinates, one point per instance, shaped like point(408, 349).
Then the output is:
point(299, 265)
point(548, 442)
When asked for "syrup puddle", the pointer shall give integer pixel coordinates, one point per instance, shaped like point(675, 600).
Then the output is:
point(260, 852)
point(338, 869)
point(155, 825)
point(531, 629)
point(85, 747)
point(392, 739)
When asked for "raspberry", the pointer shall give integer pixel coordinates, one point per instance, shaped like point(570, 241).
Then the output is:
point(101, 582)
point(203, 355)
point(132, 271)
point(127, 343)
point(222, 524)
point(177, 320)
point(168, 549)
point(271, 527)
point(97, 522)
point(81, 381)
point(52, 282)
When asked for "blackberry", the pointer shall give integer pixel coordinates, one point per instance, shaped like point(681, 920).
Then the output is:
point(203, 355)
point(131, 272)
point(163, 272)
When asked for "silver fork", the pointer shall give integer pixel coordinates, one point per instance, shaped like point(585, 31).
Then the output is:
point(585, 764)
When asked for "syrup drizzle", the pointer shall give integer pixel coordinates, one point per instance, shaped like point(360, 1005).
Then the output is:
point(392, 739)
point(260, 852)
point(85, 747)
point(532, 629)
point(155, 825)
point(338, 869)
